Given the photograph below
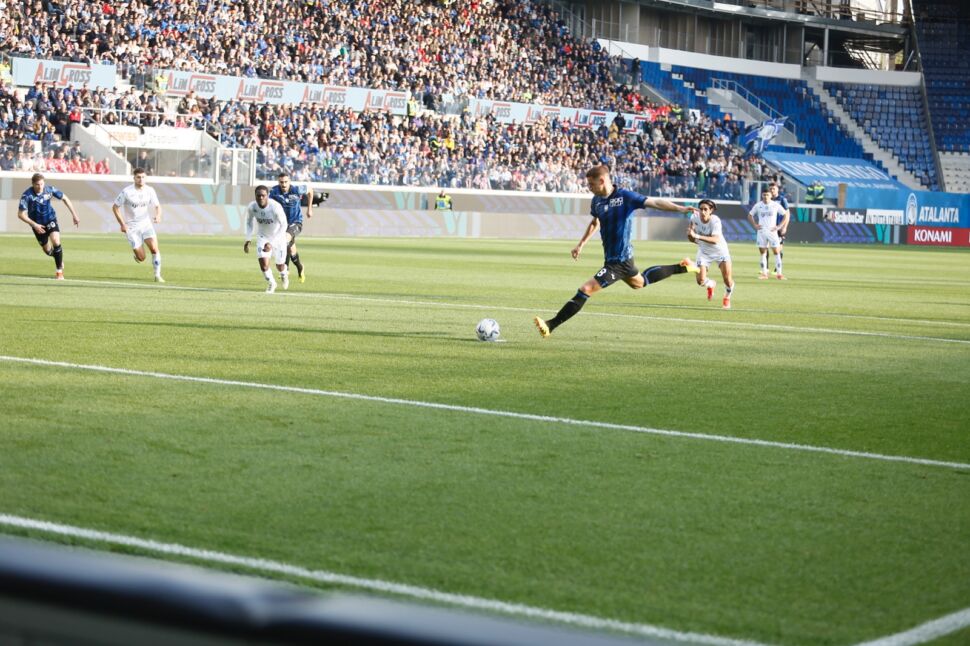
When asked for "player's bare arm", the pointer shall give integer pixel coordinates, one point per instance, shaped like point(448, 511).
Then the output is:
point(158, 213)
point(246, 247)
point(667, 205)
point(309, 201)
point(23, 217)
point(70, 207)
point(121, 221)
point(591, 228)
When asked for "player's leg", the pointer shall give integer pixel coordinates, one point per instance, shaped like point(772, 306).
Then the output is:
point(263, 251)
point(56, 251)
point(291, 252)
point(152, 244)
point(137, 241)
point(660, 272)
point(727, 274)
point(44, 240)
point(573, 305)
point(280, 255)
point(284, 274)
point(703, 279)
point(778, 269)
point(763, 273)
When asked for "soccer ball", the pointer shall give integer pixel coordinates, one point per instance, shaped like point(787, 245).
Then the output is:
point(487, 330)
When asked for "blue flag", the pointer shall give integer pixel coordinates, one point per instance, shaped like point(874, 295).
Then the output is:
point(758, 136)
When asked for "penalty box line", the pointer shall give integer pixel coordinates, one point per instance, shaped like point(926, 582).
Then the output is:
point(491, 412)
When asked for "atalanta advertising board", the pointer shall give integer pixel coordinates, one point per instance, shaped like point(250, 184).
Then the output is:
point(884, 200)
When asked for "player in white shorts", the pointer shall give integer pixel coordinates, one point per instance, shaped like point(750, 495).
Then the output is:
point(705, 230)
point(139, 201)
point(270, 224)
point(764, 217)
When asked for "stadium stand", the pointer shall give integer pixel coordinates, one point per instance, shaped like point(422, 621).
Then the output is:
point(676, 158)
point(494, 49)
point(817, 129)
point(943, 36)
point(895, 119)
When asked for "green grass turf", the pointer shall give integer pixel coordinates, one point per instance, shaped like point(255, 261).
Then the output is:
point(863, 349)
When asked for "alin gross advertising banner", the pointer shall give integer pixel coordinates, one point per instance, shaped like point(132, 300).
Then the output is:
point(510, 112)
point(238, 88)
point(27, 71)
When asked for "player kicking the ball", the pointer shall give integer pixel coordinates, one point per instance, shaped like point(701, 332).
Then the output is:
point(705, 230)
point(270, 236)
point(612, 210)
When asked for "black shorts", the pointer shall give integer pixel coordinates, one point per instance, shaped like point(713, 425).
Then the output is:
point(294, 230)
point(614, 271)
point(49, 228)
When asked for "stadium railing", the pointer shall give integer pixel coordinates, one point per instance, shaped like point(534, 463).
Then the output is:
point(59, 597)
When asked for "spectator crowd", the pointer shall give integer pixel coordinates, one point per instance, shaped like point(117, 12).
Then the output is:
point(501, 49)
point(510, 50)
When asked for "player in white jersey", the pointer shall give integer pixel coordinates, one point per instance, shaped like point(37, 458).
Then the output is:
point(141, 210)
point(270, 224)
point(764, 217)
point(705, 230)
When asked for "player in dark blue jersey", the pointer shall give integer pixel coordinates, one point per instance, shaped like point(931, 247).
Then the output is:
point(777, 196)
point(38, 213)
point(290, 198)
point(612, 210)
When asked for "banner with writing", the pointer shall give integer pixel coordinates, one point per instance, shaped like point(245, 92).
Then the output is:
point(27, 71)
point(238, 88)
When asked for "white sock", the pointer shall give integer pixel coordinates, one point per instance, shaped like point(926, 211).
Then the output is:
point(157, 263)
point(729, 290)
point(284, 274)
point(764, 263)
point(709, 283)
point(778, 264)
point(268, 275)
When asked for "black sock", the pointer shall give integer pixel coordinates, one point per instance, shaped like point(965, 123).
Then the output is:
point(296, 261)
point(58, 253)
point(658, 272)
point(568, 310)
point(288, 257)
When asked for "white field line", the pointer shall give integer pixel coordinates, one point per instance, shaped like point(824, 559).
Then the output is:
point(531, 311)
point(375, 585)
point(926, 632)
point(487, 411)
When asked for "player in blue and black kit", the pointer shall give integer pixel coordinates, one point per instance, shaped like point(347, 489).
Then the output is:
point(778, 196)
point(290, 198)
point(37, 212)
point(612, 210)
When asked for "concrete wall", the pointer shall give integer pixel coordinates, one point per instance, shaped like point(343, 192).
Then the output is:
point(197, 208)
point(760, 68)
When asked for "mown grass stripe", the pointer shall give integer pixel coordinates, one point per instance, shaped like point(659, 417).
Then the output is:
point(531, 311)
point(486, 411)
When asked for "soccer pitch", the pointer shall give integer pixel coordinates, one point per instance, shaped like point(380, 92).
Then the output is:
point(795, 470)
